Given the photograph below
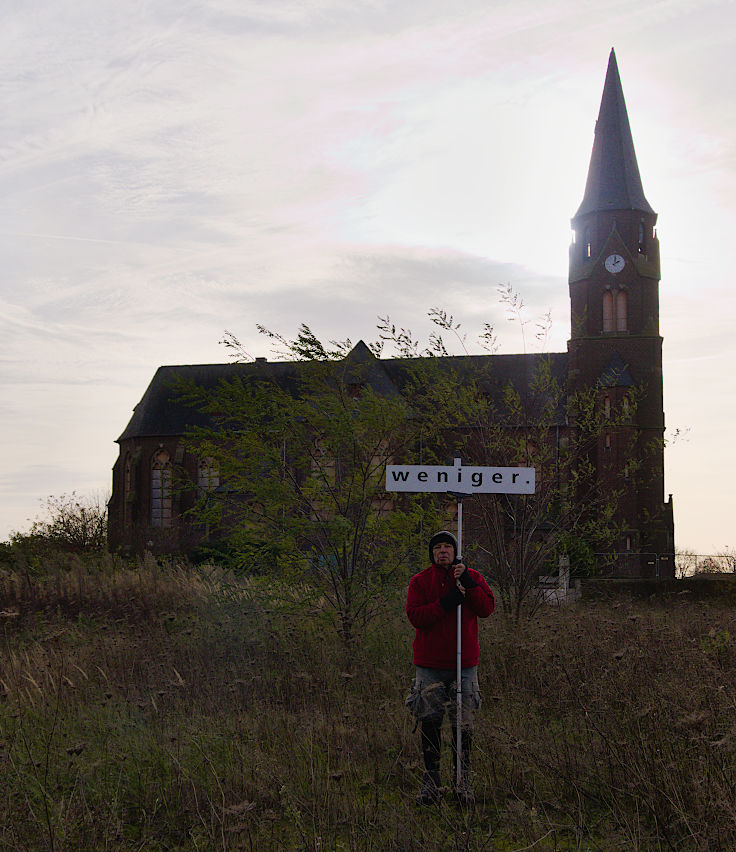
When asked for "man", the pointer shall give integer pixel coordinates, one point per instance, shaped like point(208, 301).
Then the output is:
point(431, 605)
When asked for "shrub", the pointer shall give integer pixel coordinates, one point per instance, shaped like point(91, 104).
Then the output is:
point(72, 524)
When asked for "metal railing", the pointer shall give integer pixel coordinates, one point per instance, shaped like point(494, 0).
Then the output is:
point(657, 566)
point(627, 564)
point(689, 564)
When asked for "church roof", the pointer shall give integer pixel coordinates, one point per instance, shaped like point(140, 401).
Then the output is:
point(614, 182)
point(495, 373)
point(161, 413)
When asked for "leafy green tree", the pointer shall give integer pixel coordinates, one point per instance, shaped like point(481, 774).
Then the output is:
point(301, 462)
point(301, 467)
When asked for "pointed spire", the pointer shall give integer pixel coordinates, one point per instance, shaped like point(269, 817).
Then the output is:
point(613, 181)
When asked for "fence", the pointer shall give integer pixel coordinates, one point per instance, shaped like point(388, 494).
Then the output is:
point(624, 565)
point(688, 564)
point(659, 566)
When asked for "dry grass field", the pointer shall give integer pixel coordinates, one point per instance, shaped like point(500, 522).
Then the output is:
point(175, 708)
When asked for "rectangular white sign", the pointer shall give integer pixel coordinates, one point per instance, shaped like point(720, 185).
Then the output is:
point(465, 480)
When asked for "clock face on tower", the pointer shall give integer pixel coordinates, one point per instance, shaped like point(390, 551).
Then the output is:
point(615, 263)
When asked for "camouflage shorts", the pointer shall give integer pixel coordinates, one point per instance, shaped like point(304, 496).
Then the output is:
point(433, 694)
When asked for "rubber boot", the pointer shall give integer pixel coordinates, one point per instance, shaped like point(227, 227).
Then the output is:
point(431, 742)
point(464, 795)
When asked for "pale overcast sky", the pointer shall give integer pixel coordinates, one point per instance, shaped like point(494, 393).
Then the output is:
point(170, 169)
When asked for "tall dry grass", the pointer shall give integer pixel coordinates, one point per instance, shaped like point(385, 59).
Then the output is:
point(172, 708)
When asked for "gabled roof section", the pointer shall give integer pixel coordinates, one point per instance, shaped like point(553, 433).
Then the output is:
point(616, 374)
point(362, 367)
point(615, 242)
point(614, 182)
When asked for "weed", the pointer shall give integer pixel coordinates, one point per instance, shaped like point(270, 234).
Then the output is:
point(174, 708)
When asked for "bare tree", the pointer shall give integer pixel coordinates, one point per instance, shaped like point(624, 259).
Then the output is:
point(573, 511)
point(532, 419)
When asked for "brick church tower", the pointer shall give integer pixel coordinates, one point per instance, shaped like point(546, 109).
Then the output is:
point(615, 344)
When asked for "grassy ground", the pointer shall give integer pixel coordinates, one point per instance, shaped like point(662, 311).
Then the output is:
point(170, 709)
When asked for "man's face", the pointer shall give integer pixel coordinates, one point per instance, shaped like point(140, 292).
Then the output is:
point(443, 553)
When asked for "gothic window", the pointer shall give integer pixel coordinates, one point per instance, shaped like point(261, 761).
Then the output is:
point(615, 311)
point(127, 488)
point(621, 311)
point(608, 311)
point(208, 475)
point(586, 244)
point(642, 239)
point(161, 490)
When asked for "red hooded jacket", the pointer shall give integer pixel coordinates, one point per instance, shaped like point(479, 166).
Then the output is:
point(435, 643)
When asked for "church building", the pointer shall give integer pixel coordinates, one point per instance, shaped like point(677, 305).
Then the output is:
point(615, 346)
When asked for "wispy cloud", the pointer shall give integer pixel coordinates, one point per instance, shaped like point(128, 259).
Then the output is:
point(170, 169)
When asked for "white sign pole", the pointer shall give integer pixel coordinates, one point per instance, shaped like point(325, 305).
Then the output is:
point(459, 668)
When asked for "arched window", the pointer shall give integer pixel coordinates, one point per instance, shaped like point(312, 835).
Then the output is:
point(642, 239)
point(621, 311)
point(208, 476)
point(608, 311)
point(607, 408)
point(586, 244)
point(161, 490)
point(127, 488)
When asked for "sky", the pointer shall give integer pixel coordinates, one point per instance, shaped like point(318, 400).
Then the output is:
point(174, 169)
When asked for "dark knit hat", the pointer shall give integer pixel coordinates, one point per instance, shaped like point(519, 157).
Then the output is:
point(441, 536)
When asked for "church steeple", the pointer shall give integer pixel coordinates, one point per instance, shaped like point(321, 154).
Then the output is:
point(615, 345)
point(613, 181)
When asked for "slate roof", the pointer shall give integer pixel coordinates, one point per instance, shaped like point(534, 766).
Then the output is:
point(614, 182)
point(160, 413)
point(494, 373)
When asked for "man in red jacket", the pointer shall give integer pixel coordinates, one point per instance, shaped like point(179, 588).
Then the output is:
point(431, 604)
